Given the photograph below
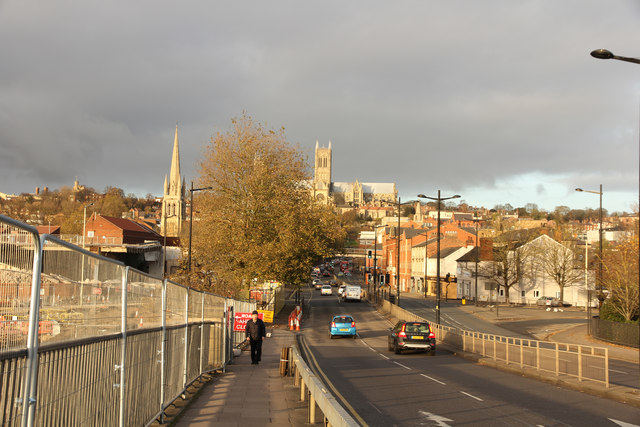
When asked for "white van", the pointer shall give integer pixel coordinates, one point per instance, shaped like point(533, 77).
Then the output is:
point(352, 293)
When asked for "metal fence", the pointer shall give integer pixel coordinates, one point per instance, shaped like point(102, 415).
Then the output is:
point(616, 332)
point(85, 340)
point(572, 360)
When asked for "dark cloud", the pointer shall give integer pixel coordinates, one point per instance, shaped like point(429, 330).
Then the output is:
point(455, 95)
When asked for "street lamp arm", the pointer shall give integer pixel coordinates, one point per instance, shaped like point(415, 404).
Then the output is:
point(606, 54)
point(588, 191)
point(200, 189)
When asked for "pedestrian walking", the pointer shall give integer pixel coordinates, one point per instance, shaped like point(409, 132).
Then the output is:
point(255, 331)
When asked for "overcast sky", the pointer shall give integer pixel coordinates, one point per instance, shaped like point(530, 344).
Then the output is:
point(498, 101)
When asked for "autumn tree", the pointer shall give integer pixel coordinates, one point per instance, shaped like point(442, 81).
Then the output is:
point(258, 221)
point(620, 277)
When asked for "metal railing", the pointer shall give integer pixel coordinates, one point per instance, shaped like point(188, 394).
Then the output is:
point(86, 340)
point(313, 390)
point(572, 360)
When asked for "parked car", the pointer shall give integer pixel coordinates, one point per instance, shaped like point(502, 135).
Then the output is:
point(341, 290)
point(412, 336)
point(326, 290)
point(343, 325)
point(548, 301)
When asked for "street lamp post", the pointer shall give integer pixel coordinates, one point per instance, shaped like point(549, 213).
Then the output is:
point(164, 245)
point(375, 259)
point(84, 224)
point(477, 251)
point(191, 219)
point(606, 54)
point(601, 253)
point(84, 233)
point(439, 200)
point(399, 204)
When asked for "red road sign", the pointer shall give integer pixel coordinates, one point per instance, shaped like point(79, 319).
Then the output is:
point(240, 321)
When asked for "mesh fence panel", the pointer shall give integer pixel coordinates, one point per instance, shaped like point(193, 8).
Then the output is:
point(175, 340)
point(80, 295)
point(144, 301)
point(17, 248)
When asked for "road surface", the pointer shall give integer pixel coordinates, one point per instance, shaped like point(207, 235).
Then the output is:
point(385, 389)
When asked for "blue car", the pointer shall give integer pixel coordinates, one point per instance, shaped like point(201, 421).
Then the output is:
point(343, 325)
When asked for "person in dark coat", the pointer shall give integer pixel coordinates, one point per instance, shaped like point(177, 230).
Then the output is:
point(255, 331)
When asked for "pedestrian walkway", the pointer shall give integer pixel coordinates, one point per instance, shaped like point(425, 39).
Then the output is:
point(250, 395)
point(578, 335)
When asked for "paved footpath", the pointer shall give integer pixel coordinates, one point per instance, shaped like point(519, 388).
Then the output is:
point(250, 395)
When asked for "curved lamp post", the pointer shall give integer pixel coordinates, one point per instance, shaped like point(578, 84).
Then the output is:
point(606, 54)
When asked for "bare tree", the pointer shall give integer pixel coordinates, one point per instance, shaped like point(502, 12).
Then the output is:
point(558, 262)
point(510, 258)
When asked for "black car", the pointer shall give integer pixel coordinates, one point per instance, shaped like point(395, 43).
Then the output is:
point(412, 336)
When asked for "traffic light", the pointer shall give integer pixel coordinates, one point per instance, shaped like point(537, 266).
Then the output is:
point(368, 277)
point(369, 255)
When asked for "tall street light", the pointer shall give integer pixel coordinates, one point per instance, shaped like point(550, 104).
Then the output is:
point(375, 259)
point(439, 200)
point(600, 250)
point(191, 191)
point(164, 244)
point(606, 54)
point(399, 204)
point(84, 224)
point(477, 257)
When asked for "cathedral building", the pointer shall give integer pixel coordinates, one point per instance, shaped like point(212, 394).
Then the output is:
point(173, 200)
point(354, 194)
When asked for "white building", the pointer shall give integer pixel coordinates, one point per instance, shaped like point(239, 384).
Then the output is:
point(534, 284)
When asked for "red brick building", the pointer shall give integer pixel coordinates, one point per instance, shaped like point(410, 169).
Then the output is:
point(107, 230)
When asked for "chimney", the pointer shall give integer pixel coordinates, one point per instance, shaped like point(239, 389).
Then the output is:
point(486, 249)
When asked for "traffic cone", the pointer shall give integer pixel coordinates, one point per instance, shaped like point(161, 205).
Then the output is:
point(141, 324)
point(291, 323)
point(297, 324)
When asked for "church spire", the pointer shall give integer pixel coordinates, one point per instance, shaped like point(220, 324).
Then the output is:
point(174, 176)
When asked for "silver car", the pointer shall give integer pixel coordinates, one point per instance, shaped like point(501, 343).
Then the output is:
point(548, 301)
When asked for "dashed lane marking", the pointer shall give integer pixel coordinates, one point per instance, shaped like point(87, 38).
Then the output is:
point(471, 396)
point(384, 356)
point(433, 379)
point(404, 366)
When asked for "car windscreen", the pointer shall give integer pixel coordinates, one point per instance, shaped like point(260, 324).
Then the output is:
point(343, 319)
point(417, 328)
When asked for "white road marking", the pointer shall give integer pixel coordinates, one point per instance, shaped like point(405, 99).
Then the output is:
point(471, 396)
point(612, 370)
point(622, 423)
point(374, 407)
point(384, 356)
point(404, 366)
point(433, 379)
point(439, 420)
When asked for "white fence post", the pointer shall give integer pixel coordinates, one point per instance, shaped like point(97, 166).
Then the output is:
point(579, 363)
point(201, 335)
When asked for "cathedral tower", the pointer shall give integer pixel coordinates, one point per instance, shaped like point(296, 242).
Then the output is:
point(173, 201)
point(322, 173)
